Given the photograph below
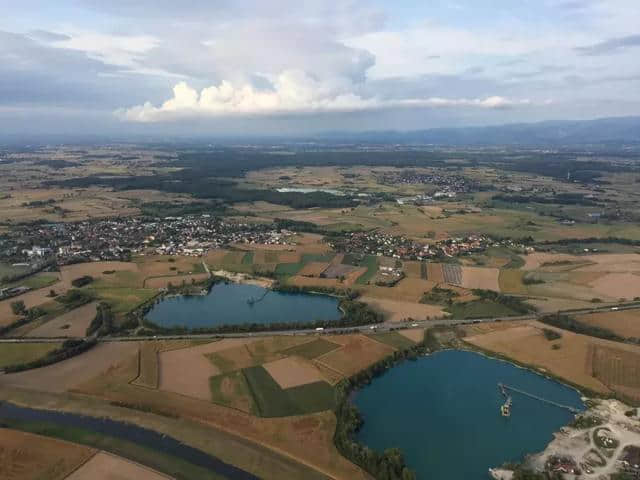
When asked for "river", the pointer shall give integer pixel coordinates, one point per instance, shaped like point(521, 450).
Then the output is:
point(234, 304)
point(443, 411)
point(127, 431)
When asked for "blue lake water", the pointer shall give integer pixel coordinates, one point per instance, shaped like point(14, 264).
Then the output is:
point(228, 304)
point(443, 411)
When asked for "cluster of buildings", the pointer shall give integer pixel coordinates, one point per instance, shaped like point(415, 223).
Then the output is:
point(118, 239)
point(446, 183)
point(400, 247)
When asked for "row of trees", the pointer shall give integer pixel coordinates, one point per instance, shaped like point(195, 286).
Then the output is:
point(102, 323)
point(69, 348)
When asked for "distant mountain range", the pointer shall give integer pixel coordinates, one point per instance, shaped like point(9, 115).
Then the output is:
point(605, 131)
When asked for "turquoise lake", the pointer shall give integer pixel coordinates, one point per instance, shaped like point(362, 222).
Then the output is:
point(230, 304)
point(443, 411)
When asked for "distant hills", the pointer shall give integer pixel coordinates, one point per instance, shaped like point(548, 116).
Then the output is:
point(604, 131)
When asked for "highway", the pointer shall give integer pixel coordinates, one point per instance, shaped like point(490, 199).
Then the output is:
point(381, 327)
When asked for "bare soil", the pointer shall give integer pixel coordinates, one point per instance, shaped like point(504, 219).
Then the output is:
point(76, 322)
point(398, 311)
point(65, 375)
point(25, 456)
point(187, 371)
point(483, 278)
point(105, 466)
point(625, 323)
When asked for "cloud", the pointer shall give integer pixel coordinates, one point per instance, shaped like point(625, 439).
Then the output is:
point(292, 92)
point(612, 45)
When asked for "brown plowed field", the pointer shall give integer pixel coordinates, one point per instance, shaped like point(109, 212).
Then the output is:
point(24, 456)
point(105, 466)
point(78, 321)
point(483, 278)
point(95, 269)
point(397, 311)
point(625, 323)
point(618, 285)
point(66, 375)
point(573, 360)
point(187, 371)
point(357, 353)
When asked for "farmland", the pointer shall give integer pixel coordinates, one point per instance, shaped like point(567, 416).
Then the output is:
point(27, 456)
point(578, 359)
point(12, 353)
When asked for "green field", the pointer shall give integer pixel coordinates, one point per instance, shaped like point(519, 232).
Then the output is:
point(312, 349)
point(480, 309)
point(123, 300)
point(393, 339)
point(293, 268)
point(231, 390)
point(371, 262)
point(248, 258)
point(9, 270)
point(288, 268)
point(16, 353)
point(272, 401)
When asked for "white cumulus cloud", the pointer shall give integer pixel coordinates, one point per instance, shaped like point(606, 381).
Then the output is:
point(292, 92)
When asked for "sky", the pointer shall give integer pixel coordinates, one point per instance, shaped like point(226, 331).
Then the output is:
point(281, 67)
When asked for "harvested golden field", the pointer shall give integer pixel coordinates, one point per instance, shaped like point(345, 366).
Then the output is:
point(357, 353)
point(187, 371)
point(625, 323)
point(537, 260)
point(106, 466)
point(483, 278)
point(617, 286)
point(70, 324)
point(16, 353)
point(525, 343)
point(66, 375)
point(95, 269)
point(165, 265)
point(313, 269)
point(25, 456)
point(292, 372)
point(398, 311)
point(613, 262)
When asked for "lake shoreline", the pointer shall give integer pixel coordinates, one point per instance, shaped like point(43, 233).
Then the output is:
point(487, 431)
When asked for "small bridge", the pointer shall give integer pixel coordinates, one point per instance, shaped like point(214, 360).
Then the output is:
point(504, 387)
